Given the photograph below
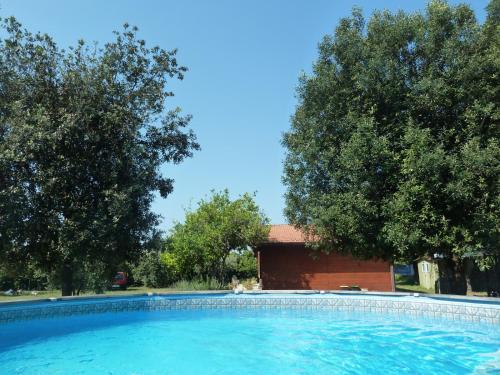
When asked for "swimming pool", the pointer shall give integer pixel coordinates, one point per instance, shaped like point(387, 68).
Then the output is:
point(250, 334)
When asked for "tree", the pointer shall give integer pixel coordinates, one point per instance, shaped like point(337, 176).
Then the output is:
point(83, 133)
point(218, 226)
point(152, 270)
point(393, 150)
point(242, 264)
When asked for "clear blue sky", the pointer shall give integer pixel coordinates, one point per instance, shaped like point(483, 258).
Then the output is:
point(244, 58)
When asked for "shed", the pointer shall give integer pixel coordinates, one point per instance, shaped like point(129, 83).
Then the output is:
point(428, 273)
point(284, 262)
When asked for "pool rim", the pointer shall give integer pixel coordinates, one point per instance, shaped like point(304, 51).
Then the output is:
point(438, 297)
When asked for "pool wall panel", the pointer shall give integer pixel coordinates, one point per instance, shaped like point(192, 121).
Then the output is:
point(415, 306)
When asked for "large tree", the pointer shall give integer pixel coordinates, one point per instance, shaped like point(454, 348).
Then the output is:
point(394, 148)
point(83, 133)
point(210, 233)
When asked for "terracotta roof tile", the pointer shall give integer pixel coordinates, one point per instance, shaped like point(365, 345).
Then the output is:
point(286, 233)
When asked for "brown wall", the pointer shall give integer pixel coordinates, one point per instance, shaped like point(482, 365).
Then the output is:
point(290, 266)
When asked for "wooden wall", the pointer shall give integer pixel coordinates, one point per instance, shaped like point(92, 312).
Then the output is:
point(290, 266)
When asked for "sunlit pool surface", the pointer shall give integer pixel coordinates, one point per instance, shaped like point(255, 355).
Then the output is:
point(247, 341)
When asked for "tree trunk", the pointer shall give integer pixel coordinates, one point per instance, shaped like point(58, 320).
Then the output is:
point(493, 279)
point(415, 273)
point(452, 277)
point(468, 266)
point(67, 279)
point(222, 272)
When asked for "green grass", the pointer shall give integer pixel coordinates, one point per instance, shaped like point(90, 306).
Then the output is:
point(29, 296)
point(409, 288)
point(184, 285)
point(408, 284)
point(177, 287)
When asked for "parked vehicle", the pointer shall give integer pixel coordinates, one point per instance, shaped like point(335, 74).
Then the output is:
point(120, 281)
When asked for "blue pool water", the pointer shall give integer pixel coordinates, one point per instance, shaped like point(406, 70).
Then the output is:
point(247, 341)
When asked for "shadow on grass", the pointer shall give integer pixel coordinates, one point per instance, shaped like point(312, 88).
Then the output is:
point(413, 289)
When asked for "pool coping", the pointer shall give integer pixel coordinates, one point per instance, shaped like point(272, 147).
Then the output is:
point(443, 297)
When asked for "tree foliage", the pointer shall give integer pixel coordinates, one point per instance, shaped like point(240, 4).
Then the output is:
point(83, 133)
point(394, 146)
point(242, 265)
point(216, 228)
point(152, 271)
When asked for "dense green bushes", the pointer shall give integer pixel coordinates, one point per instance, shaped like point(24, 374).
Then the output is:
point(216, 231)
point(197, 284)
point(163, 269)
point(211, 247)
point(88, 278)
point(26, 277)
point(151, 271)
point(154, 269)
point(243, 265)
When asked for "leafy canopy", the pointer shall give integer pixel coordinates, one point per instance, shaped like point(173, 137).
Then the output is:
point(394, 150)
point(217, 227)
point(83, 133)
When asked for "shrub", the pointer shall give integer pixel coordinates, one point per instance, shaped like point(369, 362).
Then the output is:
point(94, 276)
point(249, 283)
point(151, 270)
point(22, 276)
point(215, 230)
point(198, 284)
point(172, 264)
point(243, 265)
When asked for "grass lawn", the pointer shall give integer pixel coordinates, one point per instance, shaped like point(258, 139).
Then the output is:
point(409, 288)
point(406, 285)
point(400, 287)
point(141, 289)
point(57, 293)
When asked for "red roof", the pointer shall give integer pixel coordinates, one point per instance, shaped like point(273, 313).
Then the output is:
point(286, 234)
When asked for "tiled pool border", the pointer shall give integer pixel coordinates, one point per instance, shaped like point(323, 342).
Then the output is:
point(449, 309)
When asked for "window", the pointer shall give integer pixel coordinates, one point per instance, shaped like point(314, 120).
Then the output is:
point(425, 267)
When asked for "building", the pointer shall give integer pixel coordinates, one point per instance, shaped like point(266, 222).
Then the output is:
point(433, 276)
point(284, 262)
point(428, 274)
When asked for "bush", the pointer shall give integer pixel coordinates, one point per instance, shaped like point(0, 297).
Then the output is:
point(89, 276)
point(172, 264)
point(152, 271)
point(24, 276)
point(197, 284)
point(243, 265)
point(249, 283)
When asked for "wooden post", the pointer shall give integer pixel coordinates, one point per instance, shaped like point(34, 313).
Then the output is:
point(258, 264)
point(393, 282)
